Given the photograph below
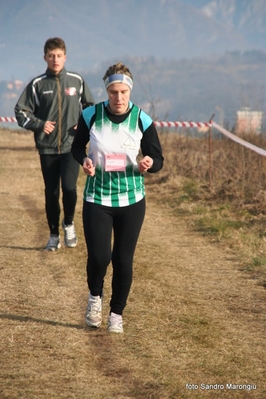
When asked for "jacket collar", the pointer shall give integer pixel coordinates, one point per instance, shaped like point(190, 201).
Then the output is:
point(61, 73)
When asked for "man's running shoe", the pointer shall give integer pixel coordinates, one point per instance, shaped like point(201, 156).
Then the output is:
point(53, 243)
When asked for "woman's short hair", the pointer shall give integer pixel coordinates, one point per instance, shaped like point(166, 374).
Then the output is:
point(118, 68)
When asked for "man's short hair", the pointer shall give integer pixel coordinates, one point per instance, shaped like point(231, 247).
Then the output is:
point(54, 43)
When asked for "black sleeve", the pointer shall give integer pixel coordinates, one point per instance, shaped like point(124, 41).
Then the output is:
point(87, 97)
point(25, 111)
point(150, 145)
point(81, 139)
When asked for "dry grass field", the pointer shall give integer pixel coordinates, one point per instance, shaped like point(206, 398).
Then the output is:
point(195, 319)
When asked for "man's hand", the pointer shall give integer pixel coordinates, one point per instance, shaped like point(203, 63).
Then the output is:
point(49, 127)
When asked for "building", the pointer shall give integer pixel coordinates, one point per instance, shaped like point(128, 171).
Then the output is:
point(248, 121)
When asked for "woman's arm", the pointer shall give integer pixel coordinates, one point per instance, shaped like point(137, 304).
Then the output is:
point(81, 139)
point(150, 146)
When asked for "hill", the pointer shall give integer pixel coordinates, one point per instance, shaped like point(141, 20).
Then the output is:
point(96, 31)
point(186, 89)
point(189, 58)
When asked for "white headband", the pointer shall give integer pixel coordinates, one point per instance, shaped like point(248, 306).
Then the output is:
point(118, 78)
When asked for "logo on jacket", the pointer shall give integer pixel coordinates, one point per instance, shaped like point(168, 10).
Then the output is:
point(70, 91)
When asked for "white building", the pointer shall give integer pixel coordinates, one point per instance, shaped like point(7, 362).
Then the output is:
point(249, 121)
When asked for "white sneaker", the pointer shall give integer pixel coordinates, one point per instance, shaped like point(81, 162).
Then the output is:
point(93, 316)
point(53, 243)
point(115, 323)
point(70, 237)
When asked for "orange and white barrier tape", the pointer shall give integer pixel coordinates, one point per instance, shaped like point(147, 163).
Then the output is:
point(182, 124)
point(156, 123)
point(211, 123)
point(7, 119)
point(187, 124)
point(237, 139)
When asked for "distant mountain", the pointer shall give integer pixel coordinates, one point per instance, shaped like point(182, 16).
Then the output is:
point(187, 57)
point(246, 16)
point(186, 89)
point(97, 31)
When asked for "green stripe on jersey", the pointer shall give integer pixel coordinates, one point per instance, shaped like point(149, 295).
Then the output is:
point(116, 188)
point(133, 119)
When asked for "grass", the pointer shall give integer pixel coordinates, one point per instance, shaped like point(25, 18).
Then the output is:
point(231, 208)
point(196, 311)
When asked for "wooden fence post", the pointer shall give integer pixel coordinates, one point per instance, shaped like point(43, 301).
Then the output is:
point(210, 152)
point(210, 157)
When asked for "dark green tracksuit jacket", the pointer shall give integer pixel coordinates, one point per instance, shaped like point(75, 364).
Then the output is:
point(57, 98)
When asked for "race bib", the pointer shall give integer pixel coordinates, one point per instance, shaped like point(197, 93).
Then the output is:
point(115, 162)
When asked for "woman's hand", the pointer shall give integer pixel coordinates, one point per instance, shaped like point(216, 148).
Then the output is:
point(88, 167)
point(145, 164)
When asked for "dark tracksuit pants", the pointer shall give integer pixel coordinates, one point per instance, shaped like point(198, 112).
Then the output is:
point(56, 168)
point(99, 223)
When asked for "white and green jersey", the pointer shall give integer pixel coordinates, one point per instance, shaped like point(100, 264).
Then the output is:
point(109, 139)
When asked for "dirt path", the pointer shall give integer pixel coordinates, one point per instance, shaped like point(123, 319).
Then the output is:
point(192, 317)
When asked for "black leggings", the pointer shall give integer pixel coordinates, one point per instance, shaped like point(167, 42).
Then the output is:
point(56, 167)
point(99, 222)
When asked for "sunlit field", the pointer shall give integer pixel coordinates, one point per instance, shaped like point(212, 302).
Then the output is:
point(194, 325)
